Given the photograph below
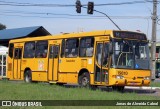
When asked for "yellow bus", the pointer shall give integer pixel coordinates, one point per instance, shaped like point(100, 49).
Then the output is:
point(96, 58)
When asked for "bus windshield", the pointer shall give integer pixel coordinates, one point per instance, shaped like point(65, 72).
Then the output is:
point(131, 54)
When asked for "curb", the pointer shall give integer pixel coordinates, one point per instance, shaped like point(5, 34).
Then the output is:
point(145, 88)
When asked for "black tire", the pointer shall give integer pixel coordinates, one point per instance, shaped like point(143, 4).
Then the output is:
point(114, 88)
point(60, 84)
point(118, 88)
point(28, 76)
point(93, 87)
point(84, 80)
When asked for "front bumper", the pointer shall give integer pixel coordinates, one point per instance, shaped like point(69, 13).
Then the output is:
point(125, 82)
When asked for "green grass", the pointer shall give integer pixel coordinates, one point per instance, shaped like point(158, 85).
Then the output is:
point(41, 91)
point(155, 84)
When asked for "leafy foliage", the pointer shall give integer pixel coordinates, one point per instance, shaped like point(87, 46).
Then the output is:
point(2, 26)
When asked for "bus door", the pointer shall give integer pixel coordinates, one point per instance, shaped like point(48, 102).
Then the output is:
point(101, 63)
point(53, 62)
point(17, 62)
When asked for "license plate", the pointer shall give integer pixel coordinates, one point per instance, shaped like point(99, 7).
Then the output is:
point(133, 83)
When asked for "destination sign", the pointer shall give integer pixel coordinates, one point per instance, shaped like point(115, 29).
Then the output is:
point(130, 35)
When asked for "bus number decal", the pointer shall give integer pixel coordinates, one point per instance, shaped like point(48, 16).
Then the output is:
point(122, 73)
point(70, 60)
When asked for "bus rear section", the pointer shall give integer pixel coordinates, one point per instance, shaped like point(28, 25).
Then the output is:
point(29, 60)
point(14, 61)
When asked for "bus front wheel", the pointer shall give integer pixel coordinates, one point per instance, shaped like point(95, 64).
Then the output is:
point(118, 88)
point(28, 76)
point(84, 80)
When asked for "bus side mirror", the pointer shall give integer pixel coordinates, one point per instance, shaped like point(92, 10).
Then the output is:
point(110, 48)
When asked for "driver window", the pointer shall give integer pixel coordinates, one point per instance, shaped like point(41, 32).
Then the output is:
point(142, 52)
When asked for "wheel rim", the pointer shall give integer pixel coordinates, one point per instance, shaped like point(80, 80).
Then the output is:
point(84, 81)
point(27, 78)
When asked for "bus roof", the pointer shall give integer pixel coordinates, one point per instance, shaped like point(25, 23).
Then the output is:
point(74, 35)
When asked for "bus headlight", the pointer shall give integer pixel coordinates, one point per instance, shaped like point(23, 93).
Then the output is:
point(147, 78)
point(119, 77)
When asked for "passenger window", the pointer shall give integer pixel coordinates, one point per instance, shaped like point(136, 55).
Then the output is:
point(62, 48)
point(71, 49)
point(18, 53)
point(86, 47)
point(11, 47)
point(54, 51)
point(41, 49)
point(29, 50)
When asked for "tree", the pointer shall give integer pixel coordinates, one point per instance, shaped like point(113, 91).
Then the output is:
point(2, 26)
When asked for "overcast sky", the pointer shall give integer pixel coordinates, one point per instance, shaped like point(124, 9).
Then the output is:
point(134, 15)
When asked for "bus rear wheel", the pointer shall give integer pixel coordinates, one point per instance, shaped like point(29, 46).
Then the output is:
point(28, 76)
point(84, 80)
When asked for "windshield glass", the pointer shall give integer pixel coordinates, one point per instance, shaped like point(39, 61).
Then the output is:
point(131, 54)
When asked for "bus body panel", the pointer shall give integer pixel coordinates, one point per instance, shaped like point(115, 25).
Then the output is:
point(39, 76)
point(62, 77)
point(67, 69)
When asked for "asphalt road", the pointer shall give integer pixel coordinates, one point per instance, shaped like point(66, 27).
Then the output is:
point(157, 80)
point(150, 91)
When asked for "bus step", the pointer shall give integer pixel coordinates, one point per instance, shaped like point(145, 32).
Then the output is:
point(4, 78)
point(53, 82)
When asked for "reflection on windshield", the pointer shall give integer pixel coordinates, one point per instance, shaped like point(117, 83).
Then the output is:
point(131, 54)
